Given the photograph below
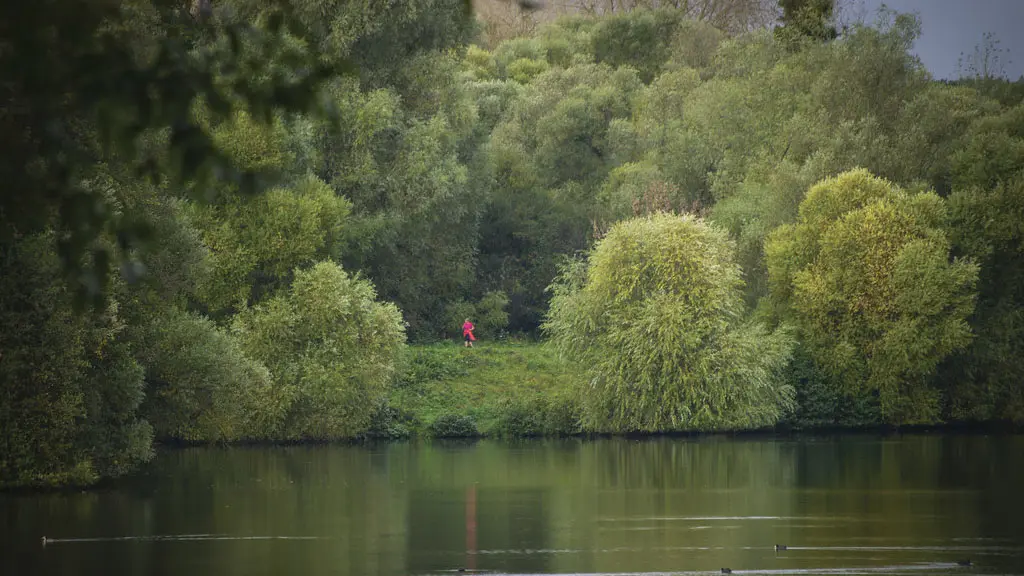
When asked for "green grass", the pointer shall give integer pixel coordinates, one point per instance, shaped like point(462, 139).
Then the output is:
point(507, 388)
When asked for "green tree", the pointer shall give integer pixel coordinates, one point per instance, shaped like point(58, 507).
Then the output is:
point(87, 82)
point(331, 349)
point(807, 19)
point(984, 381)
point(866, 275)
point(69, 387)
point(200, 387)
point(638, 39)
point(655, 317)
point(256, 242)
point(987, 212)
point(549, 159)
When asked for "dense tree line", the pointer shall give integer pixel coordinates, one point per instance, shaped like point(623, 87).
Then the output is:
point(728, 230)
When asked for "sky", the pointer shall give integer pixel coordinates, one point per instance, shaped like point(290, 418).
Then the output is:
point(952, 27)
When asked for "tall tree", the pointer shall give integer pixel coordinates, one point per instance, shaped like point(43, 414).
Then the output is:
point(867, 275)
point(655, 317)
point(810, 19)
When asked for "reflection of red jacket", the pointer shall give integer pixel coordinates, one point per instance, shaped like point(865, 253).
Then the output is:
point(467, 330)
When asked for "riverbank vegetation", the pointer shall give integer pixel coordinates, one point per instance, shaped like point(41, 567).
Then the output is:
point(248, 221)
point(506, 388)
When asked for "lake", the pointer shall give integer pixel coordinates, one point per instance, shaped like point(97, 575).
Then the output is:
point(854, 504)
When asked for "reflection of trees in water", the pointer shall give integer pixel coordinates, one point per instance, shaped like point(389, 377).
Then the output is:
point(511, 528)
point(944, 491)
point(623, 505)
point(341, 495)
point(657, 502)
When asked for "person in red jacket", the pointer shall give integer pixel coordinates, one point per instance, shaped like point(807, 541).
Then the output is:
point(467, 333)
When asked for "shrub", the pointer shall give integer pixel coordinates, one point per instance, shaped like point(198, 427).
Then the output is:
point(563, 416)
point(201, 386)
point(488, 315)
point(537, 415)
point(390, 423)
point(455, 314)
point(332, 350)
point(518, 417)
point(452, 425)
point(491, 317)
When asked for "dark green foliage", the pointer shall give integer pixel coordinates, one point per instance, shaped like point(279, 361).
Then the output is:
point(411, 181)
point(133, 147)
point(549, 159)
point(106, 76)
point(640, 40)
point(563, 415)
point(819, 403)
point(390, 423)
point(450, 425)
point(69, 389)
point(807, 19)
point(111, 432)
point(199, 384)
point(414, 209)
point(986, 381)
point(518, 418)
point(489, 316)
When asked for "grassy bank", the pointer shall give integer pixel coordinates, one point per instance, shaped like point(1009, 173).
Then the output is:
point(508, 388)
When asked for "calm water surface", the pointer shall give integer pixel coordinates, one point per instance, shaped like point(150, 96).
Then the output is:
point(850, 505)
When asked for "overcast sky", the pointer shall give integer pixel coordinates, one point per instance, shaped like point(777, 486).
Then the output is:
point(949, 27)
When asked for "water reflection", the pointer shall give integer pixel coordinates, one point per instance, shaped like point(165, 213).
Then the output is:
point(841, 505)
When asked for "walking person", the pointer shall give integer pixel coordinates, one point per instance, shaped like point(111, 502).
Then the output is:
point(467, 333)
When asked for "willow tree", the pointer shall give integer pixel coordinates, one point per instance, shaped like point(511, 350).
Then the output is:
point(866, 275)
point(331, 348)
point(655, 315)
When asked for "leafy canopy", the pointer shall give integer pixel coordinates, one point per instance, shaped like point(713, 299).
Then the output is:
point(331, 348)
point(866, 275)
point(655, 316)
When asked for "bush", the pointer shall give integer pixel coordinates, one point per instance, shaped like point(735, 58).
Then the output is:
point(655, 318)
point(519, 418)
point(821, 404)
point(332, 350)
point(491, 317)
point(453, 426)
point(537, 415)
point(455, 314)
point(201, 386)
point(563, 416)
point(390, 423)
